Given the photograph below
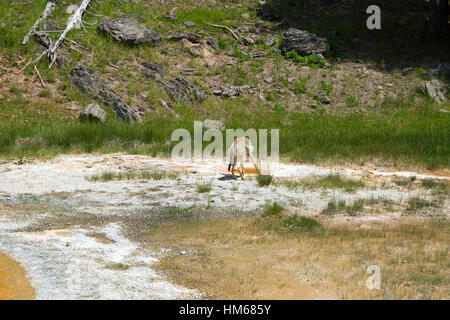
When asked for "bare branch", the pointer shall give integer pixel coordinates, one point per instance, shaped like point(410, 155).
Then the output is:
point(76, 18)
point(48, 9)
point(224, 27)
point(37, 71)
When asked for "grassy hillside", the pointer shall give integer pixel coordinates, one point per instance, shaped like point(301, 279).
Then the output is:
point(376, 113)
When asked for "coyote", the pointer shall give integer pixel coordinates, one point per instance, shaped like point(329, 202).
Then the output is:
point(238, 152)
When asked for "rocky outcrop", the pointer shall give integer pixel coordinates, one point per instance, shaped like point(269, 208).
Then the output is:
point(213, 124)
point(93, 113)
point(126, 30)
point(232, 91)
point(183, 90)
point(303, 42)
point(86, 81)
point(153, 70)
point(435, 90)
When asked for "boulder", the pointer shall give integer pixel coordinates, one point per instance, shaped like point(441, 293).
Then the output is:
point(435, 90)
point(257, 54)
point(84, 79)
point(303, 42)
point(93, 113)
point(153, 70)
point(126, 30)
point(232, 91)
point(183, 90)
point(213, 124)
point(213, 42)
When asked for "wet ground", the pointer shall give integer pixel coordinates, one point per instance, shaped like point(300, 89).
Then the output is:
point(78, 237)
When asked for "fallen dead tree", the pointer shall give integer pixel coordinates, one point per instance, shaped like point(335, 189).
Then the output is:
point(51, 4)
point(75, 20)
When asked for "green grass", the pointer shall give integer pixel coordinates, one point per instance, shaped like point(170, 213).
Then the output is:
point(203, 188)
point(272, 210)
point(311, 59)
point(414, 137)
point(405, 132)
point(437, 187)
point(330, 181)
point(143, 175)
point(416, 203)
point(404, 181)
point(289, 224)
point(264, 180)
point(117, 266)
point(335, 206)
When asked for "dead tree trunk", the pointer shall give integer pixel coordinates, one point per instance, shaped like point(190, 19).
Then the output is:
point(48, 9)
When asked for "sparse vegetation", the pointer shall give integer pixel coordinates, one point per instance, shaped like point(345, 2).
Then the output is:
point(416, 203)
point(233, 259)
point(273, 210)
point(404, 181)
point(117, 266)
point(141, 175)
point(204, 187)
point(331, 181)
point(264, 180)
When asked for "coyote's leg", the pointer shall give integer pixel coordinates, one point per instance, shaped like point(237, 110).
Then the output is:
point(241, 171)
point(232, 173)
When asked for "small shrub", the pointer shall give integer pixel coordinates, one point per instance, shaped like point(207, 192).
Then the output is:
point(264, 179)
point(299, 223)
point(334, 206)
point(416, 203)
point(203, 188)
point(117, 266)
point(45, 93)
point(273, 210)
point(311, 59)
point(352, 101)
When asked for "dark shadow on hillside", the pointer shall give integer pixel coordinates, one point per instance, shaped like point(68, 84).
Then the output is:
point(403, 41)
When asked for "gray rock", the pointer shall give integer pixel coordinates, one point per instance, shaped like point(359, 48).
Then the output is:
point(213, 124)
point(153, 70)
point(435, 90)
point(176, 37)
point(170, 17)
point(442, 69)
point(43, 39)
point(320, 56)
point(183, 90)
point(93, 113)
point(303, 42)
point(51, 24)
point(269, 41)
point(257, 54)
point(189, 23)
point(126, 30)
point(84, 79)
point(232, 91)
point(194, 37)
point(427, 76)
point(322, 98)
point(243, 29)
point(248, 41)
point(164, 104)
point(213, 42)
point(191, 36)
